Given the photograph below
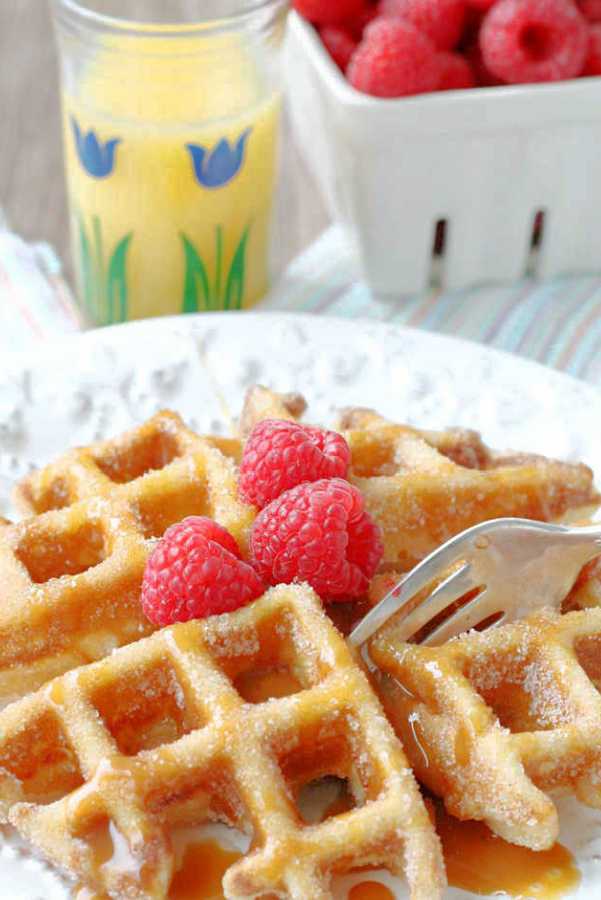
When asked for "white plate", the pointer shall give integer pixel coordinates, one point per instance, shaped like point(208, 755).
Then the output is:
point(98, 384)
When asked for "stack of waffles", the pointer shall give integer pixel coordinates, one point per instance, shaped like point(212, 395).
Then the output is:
point(116, 734)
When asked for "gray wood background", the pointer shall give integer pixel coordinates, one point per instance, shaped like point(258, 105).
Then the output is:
point(32, 191)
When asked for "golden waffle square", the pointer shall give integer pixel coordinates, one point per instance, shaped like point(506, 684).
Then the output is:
point(261, 403)
point(423, 487)
point(492, 721)
point(98, 766)
point(149, 458)
point(71, 572)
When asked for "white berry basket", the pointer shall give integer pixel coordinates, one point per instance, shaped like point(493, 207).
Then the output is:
point(485, 162)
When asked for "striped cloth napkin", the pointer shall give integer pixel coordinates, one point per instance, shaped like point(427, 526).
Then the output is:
point(35, 301)
point(557, 323)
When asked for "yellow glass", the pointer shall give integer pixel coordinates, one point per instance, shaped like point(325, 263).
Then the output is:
point(170, 140)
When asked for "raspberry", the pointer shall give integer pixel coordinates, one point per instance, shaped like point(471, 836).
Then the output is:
point(483, 77)
point(591, 9)
point(441, 20)
point(593, 60)
point(278, 455)
point(394, 59)
point(328, 12)
point(534, 40)
point(339, 44)
point(318, 533)
point(473, 21)
point(456, 72)
point(196, 571)
point(481, 4)
point(357, 24)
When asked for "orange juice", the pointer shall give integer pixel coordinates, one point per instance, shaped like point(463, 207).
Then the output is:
point(171, 174)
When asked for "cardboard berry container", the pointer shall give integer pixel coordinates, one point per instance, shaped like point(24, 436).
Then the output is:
point(473, 186)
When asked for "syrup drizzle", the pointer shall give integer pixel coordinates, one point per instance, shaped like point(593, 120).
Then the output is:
point(370, 890)
point(203, 866)
point(199, 877)
point(478, 861)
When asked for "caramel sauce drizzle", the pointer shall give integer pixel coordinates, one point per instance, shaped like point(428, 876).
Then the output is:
point(370, 890)
point(203, 866)
point(478, 861)
point(199, 877)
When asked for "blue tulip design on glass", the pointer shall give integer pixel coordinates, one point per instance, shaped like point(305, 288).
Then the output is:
point(98, 159)
point(221, 165)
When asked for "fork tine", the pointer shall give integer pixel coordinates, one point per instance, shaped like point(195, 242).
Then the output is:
point(458, 548)
point(506, 552)
point(412, 584)
point(468, 616)
point(458, 583)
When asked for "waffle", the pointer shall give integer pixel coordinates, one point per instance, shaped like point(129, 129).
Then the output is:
point(423, 487)
point(493, 721)
point(100, 765)
point(261, 403)
point(72, 570)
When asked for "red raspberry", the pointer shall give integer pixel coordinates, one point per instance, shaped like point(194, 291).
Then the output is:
point(196, 571)
point(593, 60)
point(278, 455)
point(591, 9)
point(473, 21)
point(394, 59)
point(321, 534)
point(456, 72)
point(441, 20)
point(481, 4)
point(328, 12)
point(534, 40)
point(483, 77)
point(339, 44)
point(357, 24)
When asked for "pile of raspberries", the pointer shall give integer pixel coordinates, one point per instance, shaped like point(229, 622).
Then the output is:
point(394, 48)
point(311, 527)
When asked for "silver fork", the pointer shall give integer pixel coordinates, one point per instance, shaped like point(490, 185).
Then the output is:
point(516, 565)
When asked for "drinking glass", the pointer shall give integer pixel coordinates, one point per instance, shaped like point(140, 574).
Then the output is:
point(170, 141)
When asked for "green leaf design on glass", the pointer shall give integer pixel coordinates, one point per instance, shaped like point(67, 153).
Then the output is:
point(196, 280)
point(104, 287)
point(234, 292)
point(199, 294)
point(98, 263)
point(85, 261)
point(117, 282)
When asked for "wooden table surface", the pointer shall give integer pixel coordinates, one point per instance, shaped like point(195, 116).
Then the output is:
point(32, 191)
